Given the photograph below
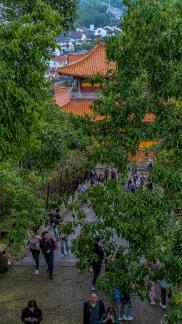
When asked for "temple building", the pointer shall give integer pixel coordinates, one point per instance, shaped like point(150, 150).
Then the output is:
point(79, 98)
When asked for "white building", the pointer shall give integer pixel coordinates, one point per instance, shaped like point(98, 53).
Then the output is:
point(58, 61)
point(67, 46)
point(100, 32)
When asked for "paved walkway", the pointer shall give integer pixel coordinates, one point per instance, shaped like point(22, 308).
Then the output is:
point(61, 299)
point(143, 313)
point(59, 260)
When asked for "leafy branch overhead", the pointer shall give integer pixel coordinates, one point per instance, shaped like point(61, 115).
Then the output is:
point(147, 81)
point(24, 52)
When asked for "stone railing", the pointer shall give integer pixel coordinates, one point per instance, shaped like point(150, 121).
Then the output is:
point(84, 95)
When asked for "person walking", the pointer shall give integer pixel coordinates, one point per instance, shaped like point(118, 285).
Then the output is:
point(94, 309)
point(142, 180)
point(63, 240)
point(149, 184)
point(110, 317)
point(81, 188)
point(124, 305)
point(106, 173)
point(113, 173)
point(153, 285)
point(150, 162)
point(31, 314)
point(55, 219)
point(130, 186)
point(48, 245)
point(34, 242)
point(165, 291)
point(96, 265)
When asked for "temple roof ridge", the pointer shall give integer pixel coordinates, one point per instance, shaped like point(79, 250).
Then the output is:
point(86, 55)
point(92, 63)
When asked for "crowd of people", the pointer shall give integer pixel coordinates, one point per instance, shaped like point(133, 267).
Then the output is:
point(109, 172)
point(94, 309)
point(138, 181)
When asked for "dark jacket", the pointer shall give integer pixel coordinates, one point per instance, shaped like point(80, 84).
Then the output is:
point(86, 312)
point(36, 314)
point(47, 245)
point(98, 250)
point(55, 219)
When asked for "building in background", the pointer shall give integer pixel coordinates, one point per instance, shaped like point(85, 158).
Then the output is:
point(78, 98)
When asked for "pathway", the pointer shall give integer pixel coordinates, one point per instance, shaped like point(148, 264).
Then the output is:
point(67, 283)
point(59, 260)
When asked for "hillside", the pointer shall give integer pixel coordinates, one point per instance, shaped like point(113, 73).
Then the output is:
point(99, 12)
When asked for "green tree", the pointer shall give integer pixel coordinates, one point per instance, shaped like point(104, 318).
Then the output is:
point(66, 9)
point(147, 80)
point(92, 12)
point(24, 52)
point(22, 205)
point(59, 136)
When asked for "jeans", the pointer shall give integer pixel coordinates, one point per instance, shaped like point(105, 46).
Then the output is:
point(153, 291)
point(49, 259)
point(54, 227)
point(64, 242)
point(122, 306)
point(35, 254)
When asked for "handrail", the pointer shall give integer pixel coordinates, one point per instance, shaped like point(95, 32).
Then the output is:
point(84, 95)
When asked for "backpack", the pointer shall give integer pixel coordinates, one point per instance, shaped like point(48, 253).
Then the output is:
point(117, 295)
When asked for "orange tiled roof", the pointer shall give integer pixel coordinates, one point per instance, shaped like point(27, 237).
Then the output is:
point(73, 57)
point(60, 58)
point(149, 118)
point(81, 107)
point(62, 95)
point(94, 62)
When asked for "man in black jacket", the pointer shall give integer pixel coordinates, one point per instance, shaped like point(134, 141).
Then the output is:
point(94, 309)
point(47, 245)
point(96, 265)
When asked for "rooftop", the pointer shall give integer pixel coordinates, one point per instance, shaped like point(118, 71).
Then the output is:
point(86, 65)
point(60, 58)
point(62, 95)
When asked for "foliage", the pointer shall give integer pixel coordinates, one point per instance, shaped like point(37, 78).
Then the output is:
point(86, 46)
point(65, 8)
point(57, 138)
point(24, 52)
point(59, 158)
point(35, 135)
point(69, 173)
point(21, 204)
point(93, 12)
point(146, 80)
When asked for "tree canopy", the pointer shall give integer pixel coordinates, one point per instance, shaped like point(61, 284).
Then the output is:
point(36, 137)
point(146, 81)
point(65, 8)
point(25, 42)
